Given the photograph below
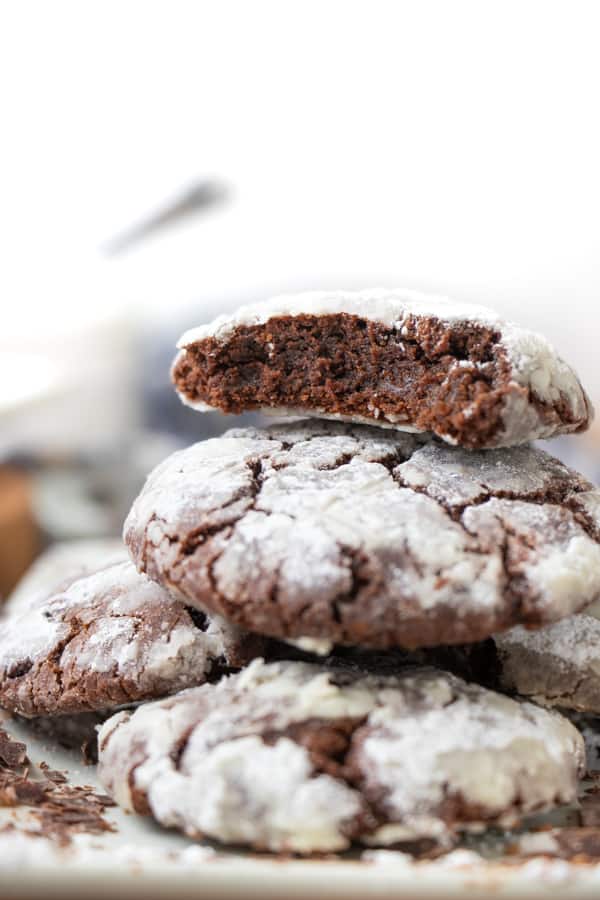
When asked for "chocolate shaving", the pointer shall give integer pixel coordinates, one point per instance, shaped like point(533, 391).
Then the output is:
point(12, 753)
point(53, 775)
point(60, 809)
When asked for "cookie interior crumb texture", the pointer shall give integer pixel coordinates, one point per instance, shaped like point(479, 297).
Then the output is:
point(394, 358)
point(359, 536)
point(293, 757)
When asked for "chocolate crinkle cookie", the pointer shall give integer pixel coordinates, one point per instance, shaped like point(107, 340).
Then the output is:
point(356, 536)
point(293, 757)
point(558, 665)
point(393, 358)
point(107, 639)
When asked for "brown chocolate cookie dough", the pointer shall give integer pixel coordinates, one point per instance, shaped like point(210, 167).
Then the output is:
point(108, 639)
point(391, 358)
point(356, 536)
point(294, 757)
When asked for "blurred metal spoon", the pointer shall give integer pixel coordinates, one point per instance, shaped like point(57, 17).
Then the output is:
point(195, 197)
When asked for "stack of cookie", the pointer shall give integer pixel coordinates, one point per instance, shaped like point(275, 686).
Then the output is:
point(317, 584)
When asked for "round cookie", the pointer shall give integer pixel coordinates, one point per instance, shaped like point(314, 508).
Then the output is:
point(558, 665)
point(356, 536)
point(392, 358)
point(295, 757)
point(107, 639)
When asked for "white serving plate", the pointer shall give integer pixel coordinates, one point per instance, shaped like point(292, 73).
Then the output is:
point(140, 860)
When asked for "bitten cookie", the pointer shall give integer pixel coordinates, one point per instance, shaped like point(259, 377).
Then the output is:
point(356, 536)
point(392, 358)
point(558, 665)
point(108, 639)
point(294, 757)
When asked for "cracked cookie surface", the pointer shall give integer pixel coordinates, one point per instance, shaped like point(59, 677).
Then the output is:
point(397, 359)
point(295, 757)
point(353, 535)
point(558, 665)
point(107, 639)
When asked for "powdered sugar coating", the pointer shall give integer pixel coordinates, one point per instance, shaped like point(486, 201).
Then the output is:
point(360, 536)
point(424, 753)
point(558, 665)
point(534, 363)
point(390, 307)
point(61, 560)
point(106, 639)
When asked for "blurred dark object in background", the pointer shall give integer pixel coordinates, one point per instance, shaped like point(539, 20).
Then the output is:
point(19, 535)
point(198, 196)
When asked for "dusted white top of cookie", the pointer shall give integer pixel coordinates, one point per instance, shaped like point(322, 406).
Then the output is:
point(61, 560)
point(228, 761)
point(576, 639)
point(390, 307)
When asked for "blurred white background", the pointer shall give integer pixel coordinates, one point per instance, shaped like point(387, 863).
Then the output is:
point(451, 146)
